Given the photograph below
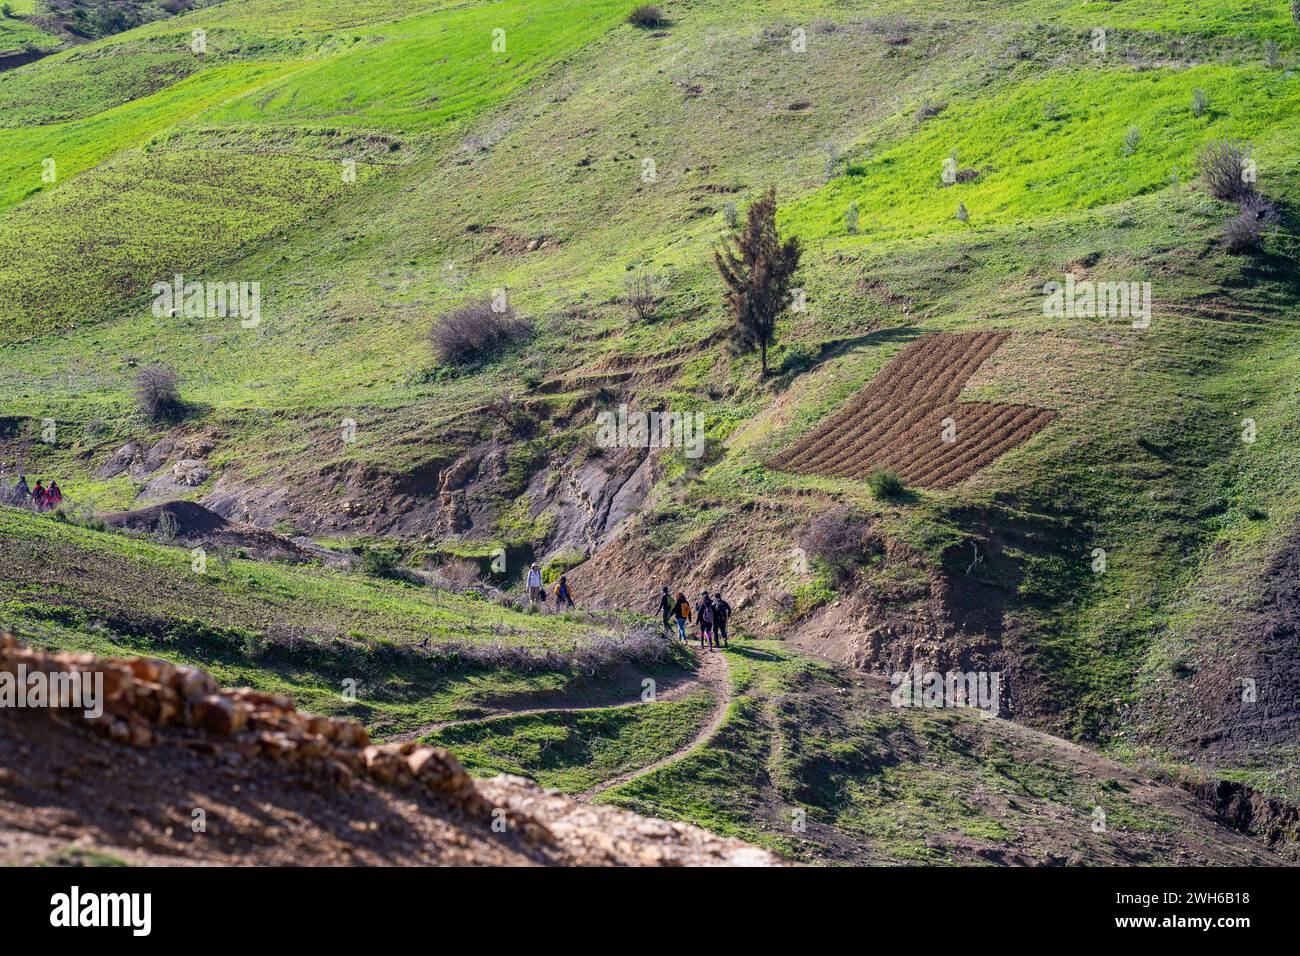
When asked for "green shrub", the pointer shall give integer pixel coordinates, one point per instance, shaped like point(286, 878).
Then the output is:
point(886, 484)
point(378, 562)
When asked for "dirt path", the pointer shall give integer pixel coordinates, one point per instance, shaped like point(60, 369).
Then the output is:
point(678, 689)
point(713, 674)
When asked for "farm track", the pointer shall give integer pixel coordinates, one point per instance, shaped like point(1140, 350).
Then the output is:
point(897, 421)
point(712, 674)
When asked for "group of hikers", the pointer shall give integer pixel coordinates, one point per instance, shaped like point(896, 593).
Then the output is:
point(39, 498)
point(537, 590)
point(710, 615)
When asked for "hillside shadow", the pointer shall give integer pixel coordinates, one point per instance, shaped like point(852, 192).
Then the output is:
point(754, 654)
point(834, 348)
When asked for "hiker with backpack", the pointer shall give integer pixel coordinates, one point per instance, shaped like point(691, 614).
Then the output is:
point(721, 612)
point(706, 620)
point(562, 595)
point(682, 614)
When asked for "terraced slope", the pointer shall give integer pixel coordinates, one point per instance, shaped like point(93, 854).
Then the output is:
point(908, 420)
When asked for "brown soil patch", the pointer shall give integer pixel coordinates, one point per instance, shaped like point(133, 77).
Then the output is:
point(197, 525)
point(898, 421)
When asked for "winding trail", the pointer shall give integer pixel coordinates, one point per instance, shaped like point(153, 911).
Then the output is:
point(713, 673)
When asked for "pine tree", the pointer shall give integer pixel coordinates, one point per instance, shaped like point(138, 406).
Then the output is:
point(757, 268)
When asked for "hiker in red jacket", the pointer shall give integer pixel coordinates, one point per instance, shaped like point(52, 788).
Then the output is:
point(54, 494)
point(39, 499)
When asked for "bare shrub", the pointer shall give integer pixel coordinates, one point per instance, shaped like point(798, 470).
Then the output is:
point(641, 645)
point(511, 414)
point(837, 538)
point(643, 294)
point(1273, 53)
point(1255, 216)
point(157, 393)
point(928, 109)
point(647, 16)
point(167, 527)
point(475, 332)
point(1132, 137)
point(1223, 170)
point(459, 575)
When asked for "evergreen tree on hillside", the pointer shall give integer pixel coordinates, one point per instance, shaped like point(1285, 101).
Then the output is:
point(757, 268)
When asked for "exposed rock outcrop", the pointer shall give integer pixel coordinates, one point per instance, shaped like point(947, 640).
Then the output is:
point(172, 727)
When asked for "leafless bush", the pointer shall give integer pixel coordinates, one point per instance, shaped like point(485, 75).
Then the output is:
point(647, 16)
point(459, 575)
point(642, 294)
point(1255, 216)
point(157, 393)
point(1223, 168)
point(475, 332)
point(928, 109)
point(1132, 137)
point(167, 527)
point(838, 538)
point(637, 646)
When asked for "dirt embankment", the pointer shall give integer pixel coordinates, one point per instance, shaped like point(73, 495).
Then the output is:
point(1272, 822)
point(177, 770)
point(192, 525)
point(1235, 690)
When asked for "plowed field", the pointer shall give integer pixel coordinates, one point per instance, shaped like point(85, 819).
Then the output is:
point(901, 420)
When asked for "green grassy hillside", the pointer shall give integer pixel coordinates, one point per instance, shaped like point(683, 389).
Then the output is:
point(586, 149)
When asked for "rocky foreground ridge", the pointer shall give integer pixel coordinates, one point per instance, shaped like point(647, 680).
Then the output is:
point(274, 785)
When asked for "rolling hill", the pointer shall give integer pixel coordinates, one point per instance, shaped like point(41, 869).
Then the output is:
point(1099, 501)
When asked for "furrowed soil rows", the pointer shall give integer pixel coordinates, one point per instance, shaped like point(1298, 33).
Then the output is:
point(898, 421)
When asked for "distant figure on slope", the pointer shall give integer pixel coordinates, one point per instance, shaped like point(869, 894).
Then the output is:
point(562, 596)
point(682, 614)
point(721, 612)
point(666, 609)
point(54, 495)
point(21, 492)
point(535, 592)
point(38, 496)
point(706, 621)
